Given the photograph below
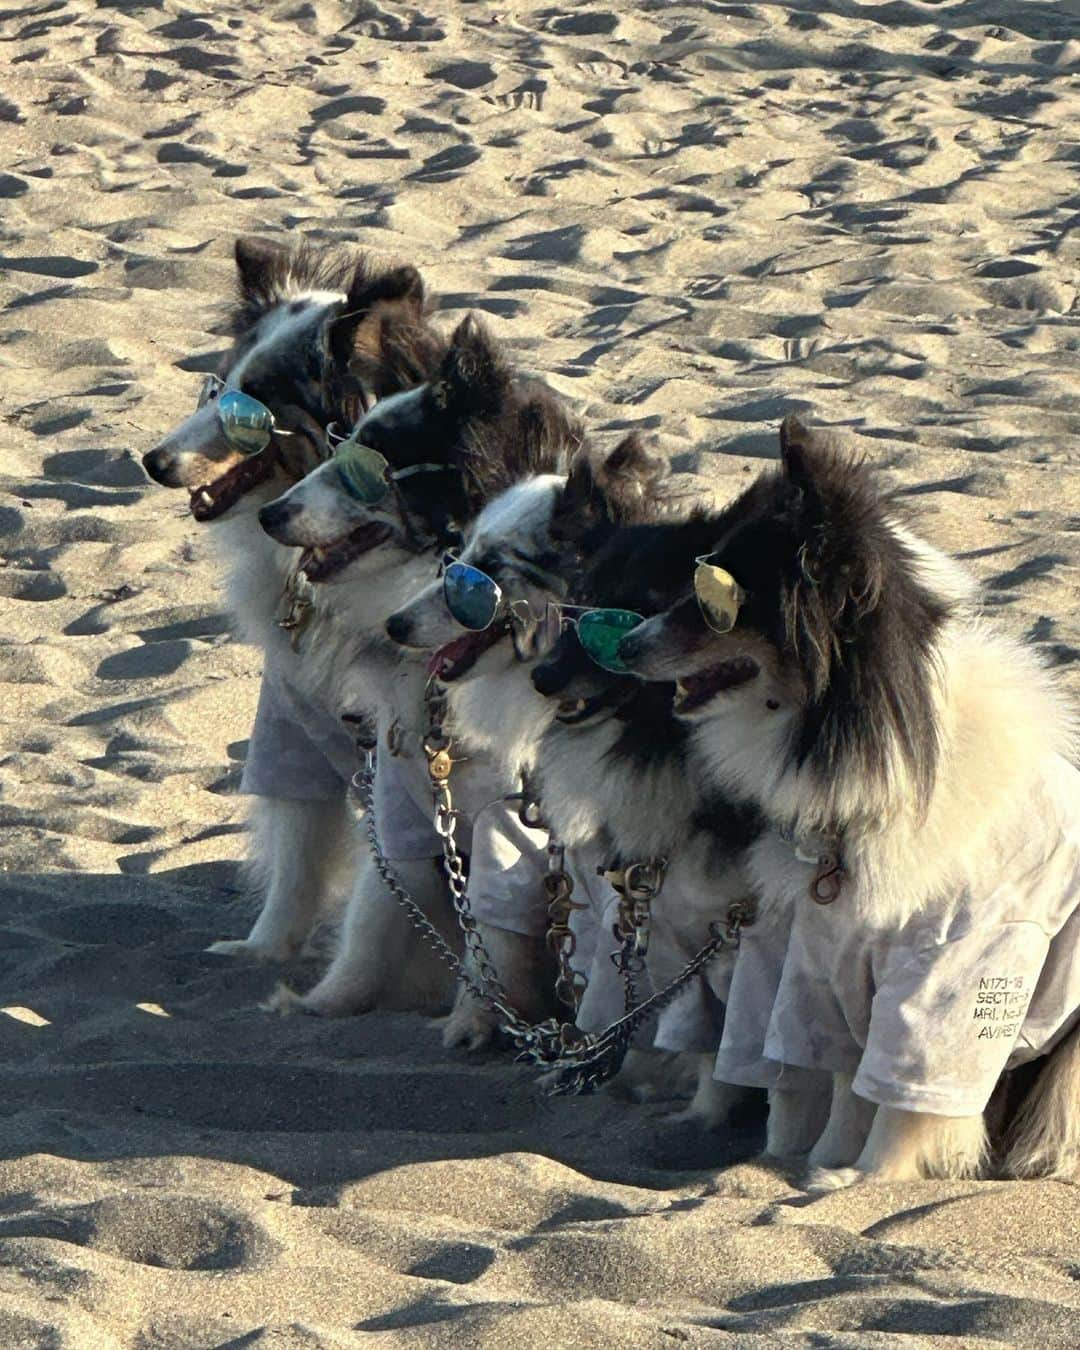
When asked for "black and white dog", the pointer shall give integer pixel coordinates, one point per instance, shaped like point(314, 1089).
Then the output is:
point(472, 431)
point(617, 784)
point(528, 543)
point(316, 336)
point(924, 854)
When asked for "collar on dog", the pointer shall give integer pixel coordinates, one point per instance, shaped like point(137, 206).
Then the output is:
point(825, 851)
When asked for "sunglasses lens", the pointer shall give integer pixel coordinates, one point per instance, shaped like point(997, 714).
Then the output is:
point(471, 596)
point(719, 596)
point(601, 630)
point(362, 472)
point(246, 422)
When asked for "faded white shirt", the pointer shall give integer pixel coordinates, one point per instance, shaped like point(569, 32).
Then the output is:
point(297, 749)
point(929, 1016)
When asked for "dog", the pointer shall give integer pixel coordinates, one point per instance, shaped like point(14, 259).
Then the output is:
point(316, 335)
point(614, 779)
point(914, 765)
point(472, 428)
point(526, 540)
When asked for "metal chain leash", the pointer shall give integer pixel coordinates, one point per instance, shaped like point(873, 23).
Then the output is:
point(594, 1058)
point(581, 1061)
point(637, 885)
point(363, 781)
point(437, 747)
point(570, 984)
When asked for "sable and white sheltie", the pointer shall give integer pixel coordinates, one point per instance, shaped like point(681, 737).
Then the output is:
point(925, 844)
point(316, 335)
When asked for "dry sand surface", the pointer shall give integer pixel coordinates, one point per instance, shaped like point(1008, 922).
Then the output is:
point(694, 218)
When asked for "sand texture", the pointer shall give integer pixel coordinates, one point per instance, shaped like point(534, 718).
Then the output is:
point(693, 218)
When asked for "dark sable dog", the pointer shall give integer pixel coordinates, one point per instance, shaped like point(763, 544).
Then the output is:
point(913, 764)
point(316, 335)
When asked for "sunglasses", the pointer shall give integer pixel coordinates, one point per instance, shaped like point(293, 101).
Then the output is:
point(363, 472)
point(719, 595)
point(246, 424)
point(598, 630)
point(472, 597)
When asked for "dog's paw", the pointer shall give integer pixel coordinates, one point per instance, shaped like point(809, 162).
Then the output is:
point(469, 1027)
point(276, 952)
point(822, 1180)
point(319, 1002)
point(284, 1001)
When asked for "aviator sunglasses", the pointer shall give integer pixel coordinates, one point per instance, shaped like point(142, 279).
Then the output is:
point(598, 630)
point(719, 595)
point(474, 600)
point(246, 424)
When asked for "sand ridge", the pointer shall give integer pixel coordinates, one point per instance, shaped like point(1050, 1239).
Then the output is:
point(692, 218)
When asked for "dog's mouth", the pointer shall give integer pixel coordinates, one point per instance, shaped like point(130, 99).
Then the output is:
point(318, 564)
point(210, 500)
point(694, 691)
point(571, 712)
point(451, 661)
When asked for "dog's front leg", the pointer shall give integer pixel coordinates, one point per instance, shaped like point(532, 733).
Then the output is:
point(845, 1134)
point(381, 960)
point(295, 847)
point(797, 1117)
point(523, 969)
point(906, 1145)
point(714, 1103)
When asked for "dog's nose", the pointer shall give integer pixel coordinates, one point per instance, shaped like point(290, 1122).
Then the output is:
point(630, 648)
point(398, 627)
point(275, 516)
point(161, 467)
point(548, 678)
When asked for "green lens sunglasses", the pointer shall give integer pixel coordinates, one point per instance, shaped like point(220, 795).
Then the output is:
point(364, 473)
point(598, 630)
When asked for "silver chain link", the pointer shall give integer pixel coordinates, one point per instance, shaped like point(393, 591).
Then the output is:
point(581, 1061)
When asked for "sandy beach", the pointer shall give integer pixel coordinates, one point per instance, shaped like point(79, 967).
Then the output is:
point(691, 218)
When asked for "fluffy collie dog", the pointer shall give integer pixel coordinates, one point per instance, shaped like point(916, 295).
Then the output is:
point(531, 542)
point(925, 850)
point(316, 336)
point(466, 434)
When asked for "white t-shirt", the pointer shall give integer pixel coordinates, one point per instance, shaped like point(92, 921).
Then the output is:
point(927, 1017)
point(297, 750)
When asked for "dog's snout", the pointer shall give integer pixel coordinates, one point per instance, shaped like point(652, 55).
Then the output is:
point(548, 678)
point(275, 517)
point(398, 627)
point(630, 649)
point(160, 464)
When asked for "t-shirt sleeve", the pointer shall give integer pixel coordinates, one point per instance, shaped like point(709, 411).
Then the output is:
point(406, 833)
point(506, 871)
point(946, 1016)
point(295, 752)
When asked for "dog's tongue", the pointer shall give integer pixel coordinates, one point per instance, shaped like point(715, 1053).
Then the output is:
point(444, 661)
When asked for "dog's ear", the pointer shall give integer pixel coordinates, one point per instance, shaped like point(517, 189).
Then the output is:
point(840, 567)
point(615, 490)
point(257, 262)
point(475, 377)
point(372, 300)
point(628, 479)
